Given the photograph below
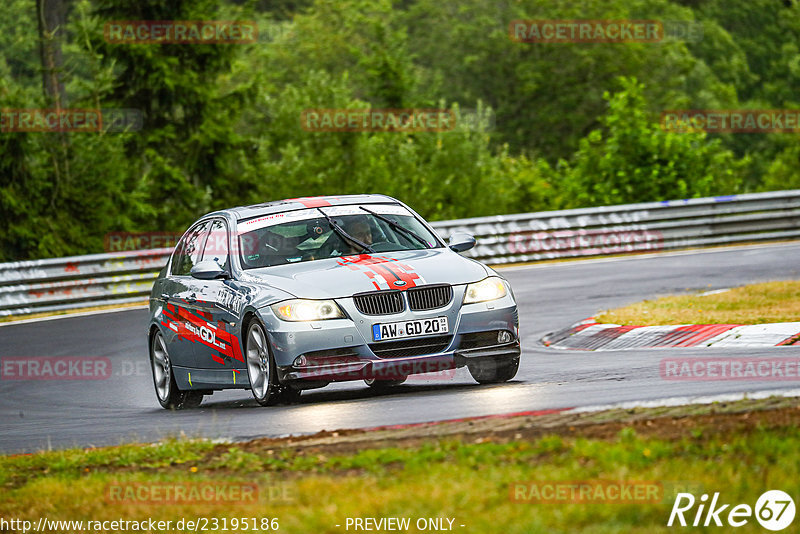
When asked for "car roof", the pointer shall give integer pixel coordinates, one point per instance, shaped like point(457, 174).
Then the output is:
point(277, 206)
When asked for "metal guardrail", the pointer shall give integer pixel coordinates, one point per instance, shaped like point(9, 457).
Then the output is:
point(649, 226)
point(80, 281)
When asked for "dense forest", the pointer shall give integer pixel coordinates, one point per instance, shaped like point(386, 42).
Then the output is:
point(550, 125)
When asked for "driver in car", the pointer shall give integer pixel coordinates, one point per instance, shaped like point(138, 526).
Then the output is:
point(361, 230)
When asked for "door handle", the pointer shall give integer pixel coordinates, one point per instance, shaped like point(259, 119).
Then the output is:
point(164, 297)
point(192, 298)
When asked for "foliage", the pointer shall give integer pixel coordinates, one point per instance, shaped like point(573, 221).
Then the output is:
point(634, 160)
point(221, 123)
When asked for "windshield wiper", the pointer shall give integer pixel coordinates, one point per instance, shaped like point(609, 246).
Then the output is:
point(339, 230)
point(397, 226)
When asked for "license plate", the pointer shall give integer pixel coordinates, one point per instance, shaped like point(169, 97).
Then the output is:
point(404, 329)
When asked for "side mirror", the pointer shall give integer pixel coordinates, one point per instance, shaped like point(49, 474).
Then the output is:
point(461, 241)
point(208, 270)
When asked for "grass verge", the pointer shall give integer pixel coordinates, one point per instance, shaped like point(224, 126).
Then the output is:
point(464, 472)
point(769, 302)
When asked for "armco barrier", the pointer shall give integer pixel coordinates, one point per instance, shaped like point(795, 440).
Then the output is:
point(80, 281)
point(648, 226)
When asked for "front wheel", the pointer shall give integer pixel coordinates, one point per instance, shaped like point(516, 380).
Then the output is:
point(493, 370)
point(169, 396)
point(261, 371)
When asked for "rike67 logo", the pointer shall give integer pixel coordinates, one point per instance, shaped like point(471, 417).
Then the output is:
point(774, 510)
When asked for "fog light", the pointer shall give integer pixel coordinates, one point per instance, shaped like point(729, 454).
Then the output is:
point(504, 336)
point(300, 361)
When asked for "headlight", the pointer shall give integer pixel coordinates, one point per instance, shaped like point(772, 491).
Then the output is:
point(491, 288)
point(307, 310)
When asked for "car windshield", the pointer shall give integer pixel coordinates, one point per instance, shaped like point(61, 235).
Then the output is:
point(319, 233)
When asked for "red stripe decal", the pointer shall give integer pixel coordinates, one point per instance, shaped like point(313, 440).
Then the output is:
point(221, 340)
point(311, 202)
point(408, 278)
point(388, 268)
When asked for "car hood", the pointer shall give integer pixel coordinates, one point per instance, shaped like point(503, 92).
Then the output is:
point(347, 275)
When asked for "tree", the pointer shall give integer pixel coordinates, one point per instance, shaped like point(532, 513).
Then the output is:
point(189, 110)
point(549, 96)
point(633, 160)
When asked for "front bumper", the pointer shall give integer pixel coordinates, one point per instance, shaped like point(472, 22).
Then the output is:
point(342, 349)
point(396, 368)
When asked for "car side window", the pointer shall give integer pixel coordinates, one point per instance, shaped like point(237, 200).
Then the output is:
point(217, 244)
point(187, 254)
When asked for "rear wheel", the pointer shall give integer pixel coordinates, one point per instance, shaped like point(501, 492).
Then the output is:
point(493, 370)
point(264, 384)
point(167, 392)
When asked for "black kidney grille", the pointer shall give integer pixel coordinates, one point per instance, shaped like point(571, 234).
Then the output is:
point(429, 297)
point(379, 303)
point(411, 347)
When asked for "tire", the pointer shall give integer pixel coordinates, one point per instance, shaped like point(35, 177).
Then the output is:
point(493, 370)
point(261, 370)
point(167, 392)
point(383, 384)
point(289, 395)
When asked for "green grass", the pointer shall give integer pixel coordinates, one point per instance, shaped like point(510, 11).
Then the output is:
point(770, 302)
point(313, 491)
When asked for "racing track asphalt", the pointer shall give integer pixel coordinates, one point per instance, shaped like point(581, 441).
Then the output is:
point(38, 415)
